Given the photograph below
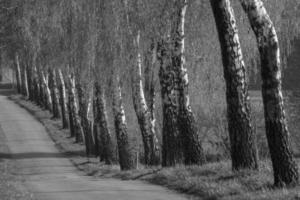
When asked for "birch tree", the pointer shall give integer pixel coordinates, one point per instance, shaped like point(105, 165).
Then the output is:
point(63, 99)
point(242, 136)
point(101, 120)
point(284, 166)
point(126, 158)
point(180, 135)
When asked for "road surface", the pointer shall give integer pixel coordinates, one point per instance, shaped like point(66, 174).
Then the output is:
point(50, 175)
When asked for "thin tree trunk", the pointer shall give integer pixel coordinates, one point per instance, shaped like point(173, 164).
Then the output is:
point(101, 121)
point(42, 92)
point(18, 73)
point(63, 99)
point(284, 166)
point(143, 113)
point(180, 135)
point(54, 94)
point(125, 153)
point(242, 136)
point(26, 90)
point(70, 107)
point(29, 81)
point(25, 82)
point(36, 86)
point(90, 123)
point(96, 129)
point(150, 62)
point(47, 91)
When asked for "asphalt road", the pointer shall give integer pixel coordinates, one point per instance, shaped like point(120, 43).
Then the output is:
point(50, 175)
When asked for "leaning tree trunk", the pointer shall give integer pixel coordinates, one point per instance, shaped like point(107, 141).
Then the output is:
point(125, 154)
point(284, 166)
point(84, 108)
point(54, 93)
point(47, 91)
point(74, 108)
point(101, 121)
point(143, 113)
point(63, 99)
point(180, 135)
point(18, 73)
point(192, 147)
point(242, 136)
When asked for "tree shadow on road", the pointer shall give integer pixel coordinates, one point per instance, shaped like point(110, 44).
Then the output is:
point(6, 89)
point(32, 155)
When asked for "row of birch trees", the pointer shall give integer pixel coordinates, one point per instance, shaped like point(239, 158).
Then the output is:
point(74, 58)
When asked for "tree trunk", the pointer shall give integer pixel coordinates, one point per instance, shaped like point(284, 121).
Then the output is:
point(63, 99)
point(150, 94)
point(150, 64)
point(84, 108)
point(284, 166)
point(54, 94)
point(101, 120)
point(42, 92)
point(172, 146)
point(25, 82)
point(88, 124)
point(96, 130)
point(143, 114)
point(36, 86)
point(125, 155)
point(78, 131)
point(71, 117)
point(242, 136)
point(192, 146)
point(180, 138)
point(18, 73)
point(47, 91)
point(31, 84)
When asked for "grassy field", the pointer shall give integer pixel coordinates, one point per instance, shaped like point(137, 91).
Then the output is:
point(212, 181)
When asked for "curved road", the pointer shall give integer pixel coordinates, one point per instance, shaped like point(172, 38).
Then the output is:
point(51, 176)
